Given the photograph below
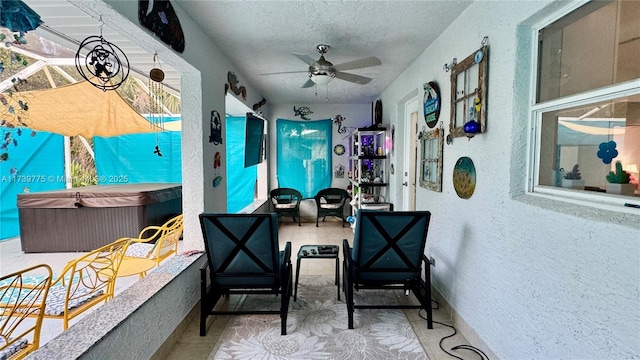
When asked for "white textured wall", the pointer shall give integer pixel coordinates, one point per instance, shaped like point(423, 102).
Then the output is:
point(535, 278)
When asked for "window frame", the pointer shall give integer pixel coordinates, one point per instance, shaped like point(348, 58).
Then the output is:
point(536, 110)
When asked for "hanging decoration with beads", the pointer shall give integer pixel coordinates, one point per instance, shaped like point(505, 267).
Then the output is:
point(156, 100)
point(105, 66)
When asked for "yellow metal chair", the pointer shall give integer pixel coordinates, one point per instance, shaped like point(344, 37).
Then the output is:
point(85, 282)
point(21, 296)
point(153, 245)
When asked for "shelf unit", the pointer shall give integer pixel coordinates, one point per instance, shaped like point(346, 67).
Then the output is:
point(367, 169)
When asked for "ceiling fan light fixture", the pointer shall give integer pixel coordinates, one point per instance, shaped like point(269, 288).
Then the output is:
point(321, 79)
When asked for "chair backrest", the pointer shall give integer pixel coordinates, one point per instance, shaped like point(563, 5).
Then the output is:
point(332, 196)
point(285, 196)
point(166, 237)
point(242, 249)
point(388, 245)
point(93, 275)
point(22, 295)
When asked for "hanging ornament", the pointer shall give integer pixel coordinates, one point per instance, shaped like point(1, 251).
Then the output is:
point(215, 136)
point(105, 66)
point(156, 100)
point(217, 164)
point(472, 127)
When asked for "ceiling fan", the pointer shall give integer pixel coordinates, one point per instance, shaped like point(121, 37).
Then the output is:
point(322, 71)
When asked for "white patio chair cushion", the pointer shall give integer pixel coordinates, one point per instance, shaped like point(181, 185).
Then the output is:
point(14, 348)
point(330, 206)
point(285, 206)
point(139, 250)
point(56, 298)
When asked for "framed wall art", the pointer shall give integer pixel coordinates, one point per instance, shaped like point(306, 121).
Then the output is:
point(431, 159)
point(469, 94)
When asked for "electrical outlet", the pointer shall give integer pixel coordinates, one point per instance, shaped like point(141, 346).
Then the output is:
point(432, 261)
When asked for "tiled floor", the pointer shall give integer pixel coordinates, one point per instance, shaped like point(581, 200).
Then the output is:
point(190, 345)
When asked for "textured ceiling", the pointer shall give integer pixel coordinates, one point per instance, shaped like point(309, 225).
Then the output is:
point(262, 37)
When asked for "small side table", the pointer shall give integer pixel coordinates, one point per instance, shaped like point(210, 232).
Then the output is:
point(317, 252)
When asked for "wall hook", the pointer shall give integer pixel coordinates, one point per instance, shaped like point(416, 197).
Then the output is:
point(448, 67)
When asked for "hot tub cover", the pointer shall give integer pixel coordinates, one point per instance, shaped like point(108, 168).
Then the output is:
point(102, 196)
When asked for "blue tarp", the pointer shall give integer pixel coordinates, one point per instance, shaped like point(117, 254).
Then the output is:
point(241, 181)
point(133, 158)
point(39, 162)
point(304, 155)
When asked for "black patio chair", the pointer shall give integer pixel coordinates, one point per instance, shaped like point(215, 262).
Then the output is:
point(243, 257)
point(330, 202)
point(286, 202)
point(388, 253)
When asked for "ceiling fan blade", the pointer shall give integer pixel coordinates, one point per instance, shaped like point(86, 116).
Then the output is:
point(306, 58)
point(308, 84)
point(359, 64)
point(362, 80)
point(285, 72)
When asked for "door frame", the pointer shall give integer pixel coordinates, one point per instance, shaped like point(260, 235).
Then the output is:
point(411, 107)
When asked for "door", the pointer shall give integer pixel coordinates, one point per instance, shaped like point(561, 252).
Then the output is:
point(411, 113)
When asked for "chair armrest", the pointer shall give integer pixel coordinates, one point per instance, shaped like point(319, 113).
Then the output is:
point(287, 253)
point(346, 253)
point(203, 271)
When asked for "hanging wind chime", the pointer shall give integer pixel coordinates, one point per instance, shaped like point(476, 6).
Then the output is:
point(156, 100)
point(106, 66)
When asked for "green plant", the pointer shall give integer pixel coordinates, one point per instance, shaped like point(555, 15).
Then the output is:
point(574, 174)
point(620, 176)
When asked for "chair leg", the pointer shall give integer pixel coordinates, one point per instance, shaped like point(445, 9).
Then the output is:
point(348, 294)
point(427, 295)
point(203, 318)
point(284, 302)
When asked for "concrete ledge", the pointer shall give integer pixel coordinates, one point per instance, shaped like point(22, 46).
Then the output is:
point(147, 312)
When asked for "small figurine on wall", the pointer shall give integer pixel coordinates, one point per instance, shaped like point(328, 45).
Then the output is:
point(302, 111)
point(215, 136)
point(259, 104)
point(232, 84)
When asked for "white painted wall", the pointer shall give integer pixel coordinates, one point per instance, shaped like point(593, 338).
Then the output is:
point(535, 278)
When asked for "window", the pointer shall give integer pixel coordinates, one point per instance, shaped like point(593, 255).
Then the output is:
point(304, 155)
point(587, 100)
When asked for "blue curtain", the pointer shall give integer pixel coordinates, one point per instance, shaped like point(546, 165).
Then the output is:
point(39, 162)
point(304, 155)
point(241, 181)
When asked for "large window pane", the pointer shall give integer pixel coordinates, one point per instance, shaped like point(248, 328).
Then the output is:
point(593, 136)
point(594, 46)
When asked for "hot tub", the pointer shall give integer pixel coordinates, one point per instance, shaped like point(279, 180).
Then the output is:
point(83, 219)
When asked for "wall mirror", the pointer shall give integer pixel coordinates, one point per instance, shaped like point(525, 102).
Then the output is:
point(431, 175)
point(468, 93)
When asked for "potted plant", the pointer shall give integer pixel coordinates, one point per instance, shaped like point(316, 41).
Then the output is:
point(619, 182)
point(573, 179)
